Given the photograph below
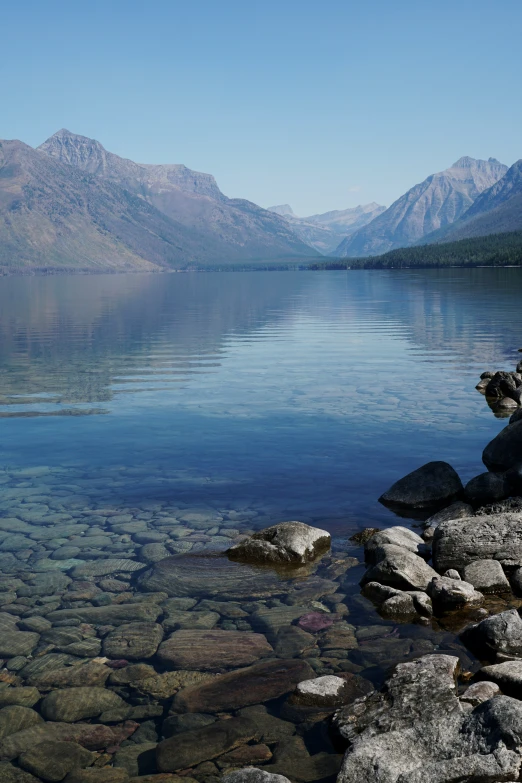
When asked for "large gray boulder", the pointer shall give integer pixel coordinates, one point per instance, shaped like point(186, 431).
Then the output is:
point(397, 536)
point(449, 594)
point(287, 542)
point(433, 484)
point(505, 450)
point(487, 576)
point(417, 731)
point(507, 676)
point(499, 634)
point(456, 543)
point(399, 568)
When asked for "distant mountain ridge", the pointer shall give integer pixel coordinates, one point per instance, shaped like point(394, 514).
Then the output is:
point(325, 231)
point(71, 204)
point(497, 210)
point(438, 201)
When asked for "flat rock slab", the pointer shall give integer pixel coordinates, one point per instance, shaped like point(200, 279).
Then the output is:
point(193, 747)
point(213, 650)
point(457, 543)
point(14, 643)
point(53, 760)
point(287, 542)
point(252, 685)
point(134, 641)
point(431, 485)
point(206, 576)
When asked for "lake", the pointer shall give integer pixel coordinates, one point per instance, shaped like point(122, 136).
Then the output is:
point(177, 411)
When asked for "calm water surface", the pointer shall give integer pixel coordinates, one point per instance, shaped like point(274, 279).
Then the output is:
point(200, 406)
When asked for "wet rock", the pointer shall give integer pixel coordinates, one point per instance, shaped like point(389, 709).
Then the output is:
point(500, 384)
point(397, 536)
point(483, 537)
point(399, 568)
point(134, 641)
point(329, 691)
point(16, 718)
point(507, 676)
point(449, 594)
point(108, 775)
point(114, 614)
point(340, 636)
point(487, 488)
point(17, 643)
point(23, 696)
point(486, 576)
point(213, 650)
point(192, 747)
point(292, 641)
point(433, 738)
point(52, 761)
point(270, 620)
point(253, 775)
point(208, 576)
point(105, 567)
point(433, 484)
point(501, 633)
point(92, 736)
point(480, 692)
point(505, 450)
point(178, 620)
point(10, 774)
point(287, 542)
point(314, 622)
point(291, 758)
point(252, 685)
point(137, 759)
point(176, 724)
point(247, 754)
point(74, 704)
point(44, 675)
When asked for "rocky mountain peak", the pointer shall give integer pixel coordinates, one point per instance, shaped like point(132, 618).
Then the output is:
point(282, 209)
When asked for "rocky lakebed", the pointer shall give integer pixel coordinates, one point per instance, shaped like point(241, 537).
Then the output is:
point(164, 642)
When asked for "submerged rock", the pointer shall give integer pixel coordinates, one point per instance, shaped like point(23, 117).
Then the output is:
point(207, 576)
point(192, 747)
point(287, 542)
point(433, 484)
point(252, 685)
point(419, 732)
point(213, 650)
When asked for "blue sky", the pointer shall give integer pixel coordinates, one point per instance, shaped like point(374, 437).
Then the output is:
point(323, 105)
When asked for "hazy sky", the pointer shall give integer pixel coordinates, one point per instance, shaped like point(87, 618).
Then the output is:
point(320, 104)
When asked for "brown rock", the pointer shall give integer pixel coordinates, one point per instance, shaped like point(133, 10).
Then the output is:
point(51, 761)
point(107, 775)
point(252, 685)
point(134, 641)
point(246, 755)
point(213, 650)
point(192, 747)
point(74, 704)
point(92, 736)
point(88, 674)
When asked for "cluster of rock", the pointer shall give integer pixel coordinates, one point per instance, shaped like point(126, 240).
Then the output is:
point(502, 389)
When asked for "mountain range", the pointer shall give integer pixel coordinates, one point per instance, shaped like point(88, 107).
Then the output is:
point(70, 204)
point(324, 232)
point(439, 201)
